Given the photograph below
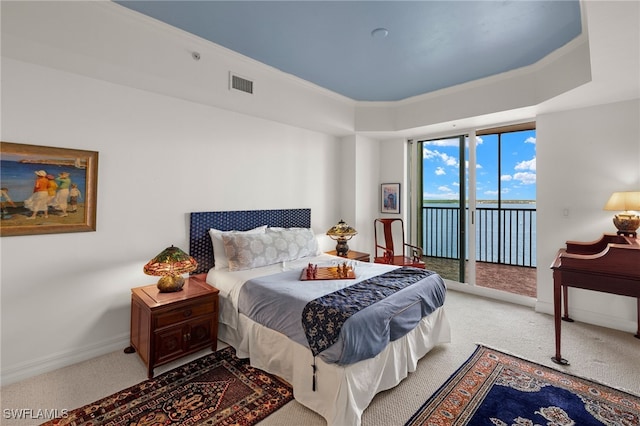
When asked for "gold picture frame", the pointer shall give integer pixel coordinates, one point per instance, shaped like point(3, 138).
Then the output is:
point(71, 189)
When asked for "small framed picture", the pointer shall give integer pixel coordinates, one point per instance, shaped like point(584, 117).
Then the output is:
point(390, 198)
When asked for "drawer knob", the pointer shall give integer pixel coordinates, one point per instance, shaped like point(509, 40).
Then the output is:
point(187, 313)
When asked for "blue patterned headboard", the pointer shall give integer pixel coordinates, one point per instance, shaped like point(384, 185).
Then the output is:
point(200, 246)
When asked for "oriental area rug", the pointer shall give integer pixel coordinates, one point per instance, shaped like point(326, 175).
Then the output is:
point(494, 388)
point(218, 389)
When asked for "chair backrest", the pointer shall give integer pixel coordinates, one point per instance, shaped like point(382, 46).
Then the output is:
point(391, 247)
point(389, 234)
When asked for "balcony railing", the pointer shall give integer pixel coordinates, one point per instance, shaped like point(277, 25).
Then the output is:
point(503, 235)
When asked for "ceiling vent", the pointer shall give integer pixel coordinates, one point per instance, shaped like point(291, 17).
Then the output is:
point(240, 83)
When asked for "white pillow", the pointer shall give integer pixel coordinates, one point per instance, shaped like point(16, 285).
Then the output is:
point(303, 238)
point(248, 251)
point(221, 261)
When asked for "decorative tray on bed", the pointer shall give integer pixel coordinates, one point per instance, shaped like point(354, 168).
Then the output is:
point(338, 272)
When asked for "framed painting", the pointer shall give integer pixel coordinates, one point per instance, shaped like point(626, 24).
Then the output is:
point(390, 198)
point(47, 190)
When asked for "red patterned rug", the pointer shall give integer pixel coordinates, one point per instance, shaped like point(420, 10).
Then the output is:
point(218, 389)
point(494, 388)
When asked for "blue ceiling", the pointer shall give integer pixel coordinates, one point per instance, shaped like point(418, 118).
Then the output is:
point(429, 45)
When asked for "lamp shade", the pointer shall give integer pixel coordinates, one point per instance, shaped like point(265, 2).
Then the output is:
point(170, 264)
point(623, 201)
point(341, 232)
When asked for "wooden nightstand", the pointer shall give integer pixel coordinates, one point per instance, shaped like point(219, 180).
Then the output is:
point(353, 255)
point(167, 326)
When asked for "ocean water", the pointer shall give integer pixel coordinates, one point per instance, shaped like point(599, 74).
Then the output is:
point(20, 177)
point(510, 239)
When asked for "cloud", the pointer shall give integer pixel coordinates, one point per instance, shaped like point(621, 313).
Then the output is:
point(526, 178)
point(527, 165)
point(444, 157)
point(440, 171)
point(442, 142)
point(444, 188)
point(428, 154)
point(530, 139)
point(449, 161)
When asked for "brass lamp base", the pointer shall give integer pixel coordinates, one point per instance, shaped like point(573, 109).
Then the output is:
point(627, 224)
point(170, 283)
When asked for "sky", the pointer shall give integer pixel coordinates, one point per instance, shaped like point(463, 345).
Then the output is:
point(517, 173)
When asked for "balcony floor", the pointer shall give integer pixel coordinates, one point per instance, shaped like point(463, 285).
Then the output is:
point(513, 279)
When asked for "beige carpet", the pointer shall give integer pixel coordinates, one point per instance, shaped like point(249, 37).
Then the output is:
point(605, 355)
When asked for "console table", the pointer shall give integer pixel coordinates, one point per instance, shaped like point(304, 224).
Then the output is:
point(610, 265)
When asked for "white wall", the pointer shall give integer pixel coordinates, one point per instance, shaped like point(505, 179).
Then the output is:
point(367, 191)
point(358, 164)
point(65, 297)
point(582, 157)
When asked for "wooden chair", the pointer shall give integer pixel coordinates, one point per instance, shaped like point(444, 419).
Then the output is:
point(388, 231)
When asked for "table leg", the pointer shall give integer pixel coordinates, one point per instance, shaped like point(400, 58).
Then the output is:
point(637, 335)
point(565, 296)
point(557, 312)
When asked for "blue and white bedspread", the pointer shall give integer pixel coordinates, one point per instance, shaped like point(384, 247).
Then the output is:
point(376, 310)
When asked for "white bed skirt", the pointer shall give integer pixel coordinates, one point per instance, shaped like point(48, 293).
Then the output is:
point(342, 392)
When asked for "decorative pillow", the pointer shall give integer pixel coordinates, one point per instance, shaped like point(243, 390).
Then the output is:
point(304, 238)
point(247, 251)
point(220, 258)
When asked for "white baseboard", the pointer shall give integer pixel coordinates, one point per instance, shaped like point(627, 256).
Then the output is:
point(62, 359)
point(491, 293)
point(593, 318)
point(577, 314)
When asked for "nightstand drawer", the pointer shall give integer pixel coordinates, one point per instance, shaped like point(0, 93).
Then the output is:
point(184, 313)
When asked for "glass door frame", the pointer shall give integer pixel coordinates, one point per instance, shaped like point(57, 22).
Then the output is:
point(467, 181)
point(472, 190)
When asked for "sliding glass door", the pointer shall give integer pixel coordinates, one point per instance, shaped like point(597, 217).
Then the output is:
point(477, 221)
point(445, 218)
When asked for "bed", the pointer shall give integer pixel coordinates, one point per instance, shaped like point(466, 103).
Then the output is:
point(337, 379)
